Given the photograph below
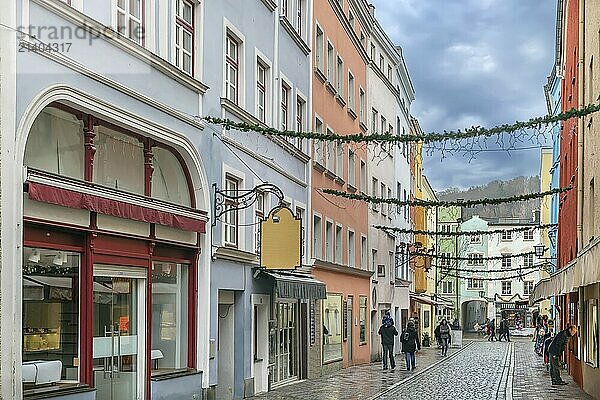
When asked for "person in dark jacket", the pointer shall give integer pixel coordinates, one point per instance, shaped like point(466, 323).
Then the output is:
point(444, 336)
point(410, 344)
point(557, 347)
point(387, 331)
point(492, 327)
point(503, 330)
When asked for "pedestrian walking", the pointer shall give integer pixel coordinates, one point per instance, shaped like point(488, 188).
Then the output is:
point(436, 333)
point(387, 331)
point(410, 344)
point(504, 332)
point(492, 327)
point(444, 336)
point(557, 347)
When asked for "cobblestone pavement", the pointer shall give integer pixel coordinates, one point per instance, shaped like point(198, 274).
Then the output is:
point(355, 383)
point(481, 370)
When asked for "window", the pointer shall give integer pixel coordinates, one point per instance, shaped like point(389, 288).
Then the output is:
point(406, 209)
point(285, 103)
point(391, 262)
point(232, 59)
point(381, 63)
point(351, 168)
point(332, 327)
point(363, 177)
point(506, 236)
point(300, 11)
point(527, 287)
point(330, 152)
point(329, 241)
point(383, 125)
point(384, 206)
point(374, 193)
point(318, 144)
point(350, 91)
point(129, 19)
point(506, 261)
point(591, 326)
point(474, 284)
point(319, 50)
point(389, 196)
point(300, 105)
point(363, 252)
point(51, 308)
point(351, 249)
point(351, 18)
point(363, 40)
point(261, 91)
point(329, 61)
point(447, 287)
point(374, 121)
point(184, 35)
point(362, 319)
point(285, 8)
point(169, 182)
point(398, 196)
point(338, 244)
point(170, 314)
point(230, 221)
point(381, 270)
point(475, 259)
point(317, 237)
point(389, 75)
point(259, 215)
point(528, 260)
point(475, 239)
point(445, 260)
point(528, 234)
point(361, 99)
point(340, 76)
point(339, 160)
point(373, 52)
point(374, 260)
point(506, 287)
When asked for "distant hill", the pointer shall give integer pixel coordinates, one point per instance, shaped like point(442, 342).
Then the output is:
point(495, 189)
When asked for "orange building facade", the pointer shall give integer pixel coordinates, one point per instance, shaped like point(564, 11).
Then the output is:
point(339, 228)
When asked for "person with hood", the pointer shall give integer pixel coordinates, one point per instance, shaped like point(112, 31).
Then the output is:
point(444, 336)
point(387, 331)
point(410, 344)
point(492, 326)
point(504, 332)
point(556, 348)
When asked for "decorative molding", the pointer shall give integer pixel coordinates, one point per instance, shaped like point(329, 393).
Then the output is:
point(320, 74)
point(270, 4)
point(344, 269)
point(235, 255)
point(111, 36)
point(363, 127)
point(287, 25)
point(340, 100)
point(349, 30)
point(352, 113)
point(330, 87)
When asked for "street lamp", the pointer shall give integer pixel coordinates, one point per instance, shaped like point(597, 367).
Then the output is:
point(539, 249)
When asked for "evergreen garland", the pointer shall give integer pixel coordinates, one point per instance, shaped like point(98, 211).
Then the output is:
point(430, 203)
point(516, 255)
point(461, 233)
point(498, 278)
point(473, 132)
point(481, 271)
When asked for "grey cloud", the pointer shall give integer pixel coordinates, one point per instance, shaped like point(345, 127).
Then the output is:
point(474, 62)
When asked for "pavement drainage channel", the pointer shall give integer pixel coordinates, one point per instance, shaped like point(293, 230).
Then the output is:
point(418, 374)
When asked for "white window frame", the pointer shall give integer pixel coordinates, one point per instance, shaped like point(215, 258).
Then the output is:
point(528, 235)
point(128, 17)
point(506, 260)
point(525, 286)
point(339, 81)
point(474, 283)
point(229, 30)
point(329, 241)
point(265, 63)
point(339, 160)
point(317, 247)
point(351, 248)
point(351, 167)
point(186, 27)
point(318, 145)
point(330, 60)
point(506, 236)
point(319, 48)
point(330, 152)
point(351, 90)
point(363, 104)
point(505, 285)
point(364, 248)
point(338, 254)
point(363, 176)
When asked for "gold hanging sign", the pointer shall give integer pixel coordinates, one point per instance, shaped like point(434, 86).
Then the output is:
point(281, 240)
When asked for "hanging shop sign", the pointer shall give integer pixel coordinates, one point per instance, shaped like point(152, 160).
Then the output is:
point(281, 240)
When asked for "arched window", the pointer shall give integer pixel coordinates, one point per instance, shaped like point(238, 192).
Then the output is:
point(55, 144)
point(168, 179)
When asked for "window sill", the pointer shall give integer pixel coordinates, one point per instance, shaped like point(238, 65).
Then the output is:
point(340, 100)
point(339, 180)
point(61, 389)
point(318, 166)
point(330, 174)
point(271, 5)
point(287, 25)
point(351, 188)
point(171, 374)
point(363, 127)
point(351, 112)
point(320, 74)
point(330, 87)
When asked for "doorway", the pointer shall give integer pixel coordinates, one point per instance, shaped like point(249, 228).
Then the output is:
point(349, 325)
point(119, 332)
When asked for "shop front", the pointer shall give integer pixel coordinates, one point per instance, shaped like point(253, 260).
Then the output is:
point(109, 276)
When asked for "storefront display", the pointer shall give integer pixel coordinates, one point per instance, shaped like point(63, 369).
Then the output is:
point(332, 328)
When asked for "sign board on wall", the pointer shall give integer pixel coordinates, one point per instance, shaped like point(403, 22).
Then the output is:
point(281, 240)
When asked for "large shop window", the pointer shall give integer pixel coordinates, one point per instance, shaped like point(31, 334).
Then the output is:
point(363, 319)
point(168, 179)
point(119, 161)
point(169, 316)
point(332, 328)
point(591, 344)
point(55, 144)
point(50, 317)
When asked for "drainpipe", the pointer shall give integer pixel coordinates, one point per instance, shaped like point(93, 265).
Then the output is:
point(580, 127)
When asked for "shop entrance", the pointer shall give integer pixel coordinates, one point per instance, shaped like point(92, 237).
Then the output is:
point(119, 299)
point(284, 344)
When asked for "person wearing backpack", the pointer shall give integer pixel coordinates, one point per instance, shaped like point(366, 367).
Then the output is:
point(410, 344)
point(444, 336)
point(387, 331)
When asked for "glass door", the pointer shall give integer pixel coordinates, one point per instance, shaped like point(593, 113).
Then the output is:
point(285, 343)
point(119, 333)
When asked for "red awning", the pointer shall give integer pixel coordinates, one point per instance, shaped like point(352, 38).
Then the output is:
point(115, 208)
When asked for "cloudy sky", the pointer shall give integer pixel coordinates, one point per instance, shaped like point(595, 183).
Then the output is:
point(474, 62)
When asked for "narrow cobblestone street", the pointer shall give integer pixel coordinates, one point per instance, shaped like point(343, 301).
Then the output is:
point(480, 370)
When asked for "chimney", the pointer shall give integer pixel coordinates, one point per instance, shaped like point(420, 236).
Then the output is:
point(372, 10)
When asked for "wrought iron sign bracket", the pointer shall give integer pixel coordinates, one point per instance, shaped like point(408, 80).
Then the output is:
point(235, 200)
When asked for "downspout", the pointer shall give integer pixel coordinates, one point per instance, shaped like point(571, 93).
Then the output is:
point(580, 127)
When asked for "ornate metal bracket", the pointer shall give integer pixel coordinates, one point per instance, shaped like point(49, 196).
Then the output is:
point(235, 200)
